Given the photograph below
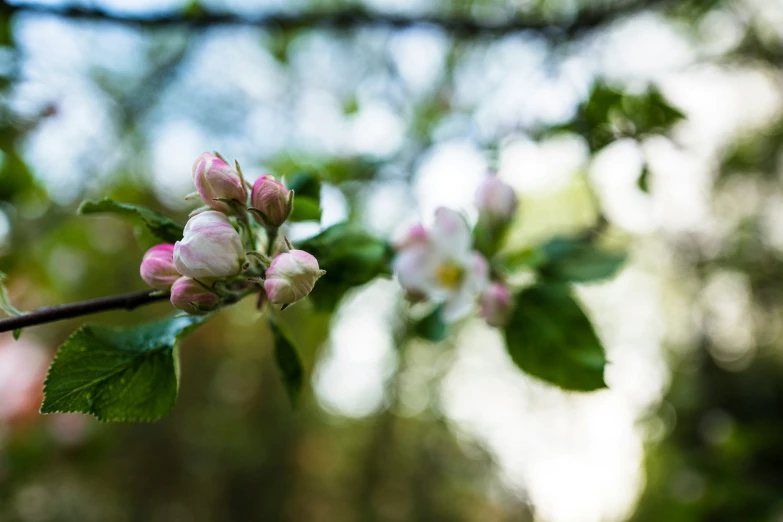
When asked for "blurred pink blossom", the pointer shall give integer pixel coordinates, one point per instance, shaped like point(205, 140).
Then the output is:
point(441, 265)
point(496, 200)
point(496, 304)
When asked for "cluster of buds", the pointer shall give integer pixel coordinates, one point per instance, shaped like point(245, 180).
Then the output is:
point(441, 264)
point(216, 262)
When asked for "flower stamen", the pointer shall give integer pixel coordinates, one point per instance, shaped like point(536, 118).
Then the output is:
point(449, 275)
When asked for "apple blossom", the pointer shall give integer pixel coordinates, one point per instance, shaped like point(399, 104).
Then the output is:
point(416, 235)
point(216, 180)
point(443, 266)
point(271, 200)
point(157, 267)
point(495, 304)
point(192, 297)
point(210, 247)
point(496, 201)
point(291, 277)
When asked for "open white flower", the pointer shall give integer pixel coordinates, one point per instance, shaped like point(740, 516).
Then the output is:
point(442, 266)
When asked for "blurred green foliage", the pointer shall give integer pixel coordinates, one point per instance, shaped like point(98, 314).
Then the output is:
point(609, 114)
point(288, 361)
point(550, 337)
point(307, 203)
point(350, 256)
point(233, 449)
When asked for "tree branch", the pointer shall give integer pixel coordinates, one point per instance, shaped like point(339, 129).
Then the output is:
point(51, 314)
point(354, 18)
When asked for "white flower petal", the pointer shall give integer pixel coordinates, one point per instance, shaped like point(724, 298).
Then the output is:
point(451, 233)
point(459, 305)
point(415, 269)
point(475, 280)
point(479, 271)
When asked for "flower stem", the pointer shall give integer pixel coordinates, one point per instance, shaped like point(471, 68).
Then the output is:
point(50, 314)
point(271, 235)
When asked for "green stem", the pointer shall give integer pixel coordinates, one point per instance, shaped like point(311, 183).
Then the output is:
point(271, 235)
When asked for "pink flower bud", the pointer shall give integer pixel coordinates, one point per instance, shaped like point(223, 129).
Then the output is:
point(272, 200)
point(417, 235)
point(191, 297)
point(291, 277)
point(157, 267)
point(214, 178)
point(210, 247)
point(496, 304)
point(496, 200)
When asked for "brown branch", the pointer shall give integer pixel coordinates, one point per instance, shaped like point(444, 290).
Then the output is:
point(51, 314)
point(354, 18)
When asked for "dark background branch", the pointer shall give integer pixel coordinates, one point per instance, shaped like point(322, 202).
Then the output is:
point(353, 18)
point(51, 314)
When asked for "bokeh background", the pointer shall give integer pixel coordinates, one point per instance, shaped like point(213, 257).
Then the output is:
point(662, 118)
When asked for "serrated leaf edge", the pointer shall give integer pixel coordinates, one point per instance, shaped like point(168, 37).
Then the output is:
point(198, 321)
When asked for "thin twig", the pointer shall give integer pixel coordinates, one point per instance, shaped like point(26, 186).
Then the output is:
point(353, 18)
point(51, 314)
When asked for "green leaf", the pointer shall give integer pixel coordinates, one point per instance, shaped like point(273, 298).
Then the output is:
point(526, 258)
point(162, 226)
point(488, 237)
point(578, 260)
point(118, 375)
point(193, 9)
point(350, 256)
point(350, 105)
point(15, 176)
point(307, 197)
point(644, 179)
point(288, 362)
point(305, 209)
point(431, 327)
point(6, 29)
point(609, 114)
point(755, 155)
point(551, 338)
point(5, 301)
point(305, 185)
point(328, 168)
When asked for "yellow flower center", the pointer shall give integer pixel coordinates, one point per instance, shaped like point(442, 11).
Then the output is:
point(448, 275)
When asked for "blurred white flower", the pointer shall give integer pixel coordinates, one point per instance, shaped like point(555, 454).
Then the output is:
point(441, 265)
